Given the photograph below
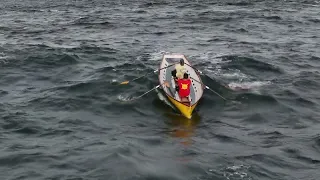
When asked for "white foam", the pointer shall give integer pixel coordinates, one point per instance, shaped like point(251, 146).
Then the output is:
point(213, 58)
point(124, 98)
point(233, 75)
point(214, 61)
point(64, 46)
point(248, 85)
point(114, 81)
point(3, 58)
point(164, 99)
point(156, 56)
point(237, 172)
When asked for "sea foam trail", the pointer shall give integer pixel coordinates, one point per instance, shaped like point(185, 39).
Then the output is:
point(248, 85)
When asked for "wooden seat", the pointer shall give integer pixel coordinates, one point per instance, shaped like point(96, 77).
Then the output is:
point(185, 101)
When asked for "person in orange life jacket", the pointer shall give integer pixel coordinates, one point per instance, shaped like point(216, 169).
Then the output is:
point(183, 87)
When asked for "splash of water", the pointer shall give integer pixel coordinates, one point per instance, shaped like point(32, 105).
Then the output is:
point(124, 98)
point(113, 81)
point(237, 172)
point(164, 99)
point(3, 58)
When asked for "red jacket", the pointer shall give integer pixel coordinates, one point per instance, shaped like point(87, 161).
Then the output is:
point(184, 87)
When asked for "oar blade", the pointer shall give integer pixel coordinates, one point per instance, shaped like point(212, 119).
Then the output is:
point(125, 82)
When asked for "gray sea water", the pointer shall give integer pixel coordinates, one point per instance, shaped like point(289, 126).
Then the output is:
point(63, 114)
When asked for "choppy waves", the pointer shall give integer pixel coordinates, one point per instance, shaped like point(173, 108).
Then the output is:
point(64, 113)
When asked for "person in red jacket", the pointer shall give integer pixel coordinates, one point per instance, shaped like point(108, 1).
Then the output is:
point(184, 86)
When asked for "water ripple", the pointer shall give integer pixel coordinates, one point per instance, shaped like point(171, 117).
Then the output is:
point(65, 115)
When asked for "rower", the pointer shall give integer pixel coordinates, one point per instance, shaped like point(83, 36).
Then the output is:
point(179, 70)
point(184, 87)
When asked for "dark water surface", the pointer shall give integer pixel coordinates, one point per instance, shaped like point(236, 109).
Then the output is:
point(64, 116)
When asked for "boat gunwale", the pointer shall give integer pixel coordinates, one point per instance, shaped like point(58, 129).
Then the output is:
point(194, 71)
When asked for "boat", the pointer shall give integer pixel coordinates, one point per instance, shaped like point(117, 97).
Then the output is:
point(167, 83)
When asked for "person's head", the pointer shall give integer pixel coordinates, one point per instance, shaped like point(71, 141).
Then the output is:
point(185, 76)
point(181, 62)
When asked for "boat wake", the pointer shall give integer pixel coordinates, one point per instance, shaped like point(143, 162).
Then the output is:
point(236, 78)
point(247, 85)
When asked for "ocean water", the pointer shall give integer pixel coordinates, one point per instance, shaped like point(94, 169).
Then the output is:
point(63, 114)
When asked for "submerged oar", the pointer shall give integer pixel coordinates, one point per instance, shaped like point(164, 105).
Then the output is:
point(127, 82)
point(208, 88)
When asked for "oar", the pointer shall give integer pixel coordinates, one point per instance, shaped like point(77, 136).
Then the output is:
point(127, 82)
point(149, 91)
point(208, 88)
point(195, 69)
point(206, 75)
